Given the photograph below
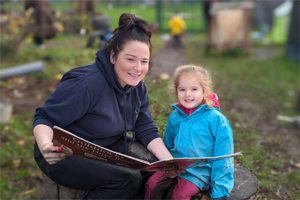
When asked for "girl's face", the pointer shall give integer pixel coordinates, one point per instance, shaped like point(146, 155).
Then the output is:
point(132, 63)
point(189, 91)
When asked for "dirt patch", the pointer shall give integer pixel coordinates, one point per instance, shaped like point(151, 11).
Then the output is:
point(166, 60)
point(26, 93)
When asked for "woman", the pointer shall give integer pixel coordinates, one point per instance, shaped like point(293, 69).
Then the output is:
point(101, 102)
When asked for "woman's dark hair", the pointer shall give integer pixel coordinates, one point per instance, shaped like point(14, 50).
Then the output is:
point(131, 28)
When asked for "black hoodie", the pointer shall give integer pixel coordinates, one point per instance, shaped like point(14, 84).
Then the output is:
point(90, 102)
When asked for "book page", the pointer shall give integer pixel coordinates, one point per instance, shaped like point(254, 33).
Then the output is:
point(75, 145)
point(184, 163)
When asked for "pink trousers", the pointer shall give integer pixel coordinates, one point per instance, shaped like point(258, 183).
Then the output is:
point(159, 186)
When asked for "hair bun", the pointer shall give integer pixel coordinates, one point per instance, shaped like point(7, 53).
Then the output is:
point(131, 28)
point(133, 22)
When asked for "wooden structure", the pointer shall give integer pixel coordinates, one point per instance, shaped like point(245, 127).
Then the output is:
point(292, 50)
point(245, 187)
point(230, 26)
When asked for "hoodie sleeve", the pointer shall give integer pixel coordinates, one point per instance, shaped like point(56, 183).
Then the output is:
point(67, 103)
point(222, 171)
point(146, 130)
point(169, 135)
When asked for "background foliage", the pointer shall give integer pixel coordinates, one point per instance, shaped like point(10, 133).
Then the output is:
point(252, 91)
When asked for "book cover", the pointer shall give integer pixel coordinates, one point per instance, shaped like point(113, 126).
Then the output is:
point(72, 144)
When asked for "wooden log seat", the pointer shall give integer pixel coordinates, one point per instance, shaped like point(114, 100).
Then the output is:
point(245, 187)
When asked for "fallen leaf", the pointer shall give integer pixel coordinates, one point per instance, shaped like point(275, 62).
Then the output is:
point(287, 105)
point(38, 97)
point(297, 165)
point(16, 163)
point(20, 142)
point(58, 76)
point(164, 76)
point(278, 193)
point(273, 172)
point(28, 192)
point(39, 174)
point(237, 125)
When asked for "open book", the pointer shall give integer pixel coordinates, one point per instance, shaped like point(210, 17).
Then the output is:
point(75, 145)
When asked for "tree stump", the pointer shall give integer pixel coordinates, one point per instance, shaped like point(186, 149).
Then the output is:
point(47, 189)
point(245, 186)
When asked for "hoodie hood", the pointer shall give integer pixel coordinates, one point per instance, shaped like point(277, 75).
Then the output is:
point(107, 68)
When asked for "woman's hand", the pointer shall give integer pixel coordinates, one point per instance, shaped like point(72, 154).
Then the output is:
point(52, 154)
point(43, 135)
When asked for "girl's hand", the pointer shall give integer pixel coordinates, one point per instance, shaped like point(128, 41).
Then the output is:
point(174, 174)
point(52, 154)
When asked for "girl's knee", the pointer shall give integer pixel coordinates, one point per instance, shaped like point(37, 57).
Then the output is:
point(154, 180)
point(184, 189)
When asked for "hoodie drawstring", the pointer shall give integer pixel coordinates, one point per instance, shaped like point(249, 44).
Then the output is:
point(133, 120)
point(133, 124)
point(125, 134)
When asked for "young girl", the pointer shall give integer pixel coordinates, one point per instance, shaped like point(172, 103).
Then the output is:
point(196, 128)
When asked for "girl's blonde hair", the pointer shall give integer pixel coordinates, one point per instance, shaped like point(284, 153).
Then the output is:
point(200, 74)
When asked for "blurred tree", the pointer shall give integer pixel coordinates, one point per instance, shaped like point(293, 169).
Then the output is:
point(86, 6)
point(43, 21)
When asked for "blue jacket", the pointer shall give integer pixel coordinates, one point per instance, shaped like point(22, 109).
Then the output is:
point(90, 102)
point(204, 133)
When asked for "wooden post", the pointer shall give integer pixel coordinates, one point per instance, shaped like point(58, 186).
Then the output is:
point(298, 101)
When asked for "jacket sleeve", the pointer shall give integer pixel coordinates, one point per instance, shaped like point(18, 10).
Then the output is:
point(222, 171)
point(169, 136)
point(146, 130)
point(69, 102)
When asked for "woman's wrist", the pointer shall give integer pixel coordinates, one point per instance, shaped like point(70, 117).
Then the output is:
point(43, 135)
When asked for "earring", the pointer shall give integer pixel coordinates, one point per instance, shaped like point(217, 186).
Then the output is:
point(112, 61)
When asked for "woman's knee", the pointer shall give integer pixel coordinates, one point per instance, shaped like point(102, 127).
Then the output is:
point(122, 187)
point(134, 180)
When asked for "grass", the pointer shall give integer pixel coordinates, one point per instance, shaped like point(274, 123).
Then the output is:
point(265, 86)
point(261, 84)
point(192, 10)
point(18, 168)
